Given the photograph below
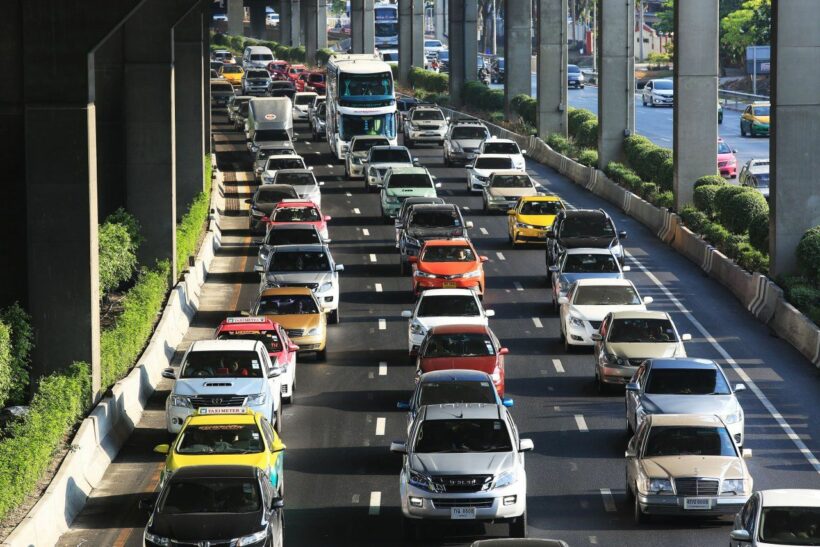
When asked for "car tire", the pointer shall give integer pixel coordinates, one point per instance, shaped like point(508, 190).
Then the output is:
point(637, 515)
point(321, 356)
point(629, 494)
point(278, 425)
point(518, 526)
point(568, 348)
point(581, 86)
point(742, 131)
point(643, 100)
point(334, 317)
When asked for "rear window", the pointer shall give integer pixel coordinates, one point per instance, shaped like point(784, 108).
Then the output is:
point(409, 181)
point(460, 345)
point(435, 219)
point(689, 441)
point(258, 74)
point(285, 163)
point(511, 181)
point(493, 163)
point(222, 87)
point(360, 145)
point(292, 237)
point(470, 133)
point(261, 57)
point(541, 207)
point(296, 179)
point(221, 364)
point(389, 156)
point(274, 195)
point(427, 115)
point(448, 306)
point(501, 148)
point(440, 393)
point(269, 338)
point(296, 214)
point(303, 99)
point(590, 263)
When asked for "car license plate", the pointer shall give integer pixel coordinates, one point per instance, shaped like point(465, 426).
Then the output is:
point(462, 513)
point(450, 284)
point(697, 503)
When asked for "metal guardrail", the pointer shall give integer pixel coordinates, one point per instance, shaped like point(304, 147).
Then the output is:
point(737, 100)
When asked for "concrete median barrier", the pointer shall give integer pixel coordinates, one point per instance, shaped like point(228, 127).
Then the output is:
point(798, 330)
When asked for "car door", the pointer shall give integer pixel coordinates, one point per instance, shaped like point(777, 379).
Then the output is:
point(556, 275)
point(273, 379)
point(633, 398)
point(647, 91)
point(598, 352)
point(747, 519)
point(564, 309)
point(633, 453)
point(745, 119)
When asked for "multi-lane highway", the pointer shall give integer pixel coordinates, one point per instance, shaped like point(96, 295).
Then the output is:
point(342, 482)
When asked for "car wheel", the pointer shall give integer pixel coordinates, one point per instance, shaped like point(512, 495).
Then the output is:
point(643, 100)
point(581, 86)
point(638, 516)
point(334, 316)
point(742, 131)
point(518, 526)
point(600, 387)
point(629, 494)
point(278, 425)
point(321, 356)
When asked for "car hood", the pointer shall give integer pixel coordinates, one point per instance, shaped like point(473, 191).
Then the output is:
point(388, 165)
point(292, 278)
point(218, 386)
point(305, 321)
point(412, 192)
point(512, 192)
point(592, 242)
point(259, 459)
point(266, 208)
point(597, 313)
point(435, 233)
point(655, 350)
point(206, 526)
point(725, 157)
point(729, 467)
point(573, 277)
point(719, 405)
point(305, 189)
point(470, 463)
point(430, 322)
point(485, 363)
point(536, 220)
point(448, 268)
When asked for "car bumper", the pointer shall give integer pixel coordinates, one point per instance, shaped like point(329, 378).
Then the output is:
point(674, 505)
point(617, 375)
point(310, 343)
point(728, 171)
point(356, 170)
point(476, 185)
point(530, 235)
point(175, 415)
point(422, 284)
point(500, 205)
point(579, 336)
point(462, 158)
point(426, 135)
point(300, 114)
point(391, 209)
point(255, 90)
point(575, 83)
point(662, 102)
point(489, 505)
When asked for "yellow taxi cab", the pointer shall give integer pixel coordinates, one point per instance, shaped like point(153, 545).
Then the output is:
point(232, 73)
point(755, 119)
point(297, 310)
point(532, 218)
point(226, 436)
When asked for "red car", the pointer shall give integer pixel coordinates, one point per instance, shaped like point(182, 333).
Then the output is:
point(281, 349)
point(295, 70)
point(278, 70)
point(298, 210)
point(471, 347)
point(312, 81)
point(727, 162)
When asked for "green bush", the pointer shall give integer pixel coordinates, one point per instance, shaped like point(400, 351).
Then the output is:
point(660, 167)
point(237, 43)
point(693, 218)
point(649, 191)
point(716, 234)
point(191, 226)
point(749, 258)
point(624, 176)
point(477, 95)
point(394, 68)
point(665, 199)
point(21, 337)
point(576, 118)
point(526, 107)
point(559, 143)
point(588, 157)
point(634, 147)
point(27, 449)
point(587, 135)
point(428, 80)
point(808, 253)
point(220, 40)
point(759, 230)
point(804, 296)
point(704, 198)
point(121, 216)
point(740, 208)
point(5, 363)
point(117, 259)
point(723, 196)
point(323, 56)
point(710, 180)
point(282, 52)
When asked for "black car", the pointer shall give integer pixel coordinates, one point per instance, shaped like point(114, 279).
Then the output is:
point(215, 505)
point(263, 202)
point(429, 221)
point(282, 88)
point(576, 228)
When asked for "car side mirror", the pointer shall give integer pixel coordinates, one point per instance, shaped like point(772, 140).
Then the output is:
point(401, 405)
point(412, 259)
point(321, 183)
point(747, 453)
point(258, 268)
point(328, 218)
point(511, 212)
point(438, 185)
point(397, 223)
point(162, 448)
point(340, 267)
point(622, 235)
point(489, 313)
point(563, 300)
point(504, 351)
point(278, 503)
point(739, 388)
point(648, 300)
point(523, 152)
point(469, 224)
point(407, 314)
point(629, 453)
point(626, 269)
point(633, 386)
point(740, 535)
point(507, 402)
point(596, 337)
point(469, 166)
point(484, 258)
point(169, 373)
point(686, 337)
point(553, 269)
point(248, 201)
point(525, 445)
point(147, 504)
point(398, 447)
point(293, 347)
point(734, 151)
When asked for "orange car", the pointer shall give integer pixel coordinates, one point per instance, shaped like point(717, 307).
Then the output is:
point(448, 264)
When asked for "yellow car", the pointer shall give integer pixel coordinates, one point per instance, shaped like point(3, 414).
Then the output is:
point(532, 218)
point(232, 73)
point(755, 119)
point(226, 436)
point(298, 311)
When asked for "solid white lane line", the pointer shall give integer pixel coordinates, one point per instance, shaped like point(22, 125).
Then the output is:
point(609, 501)
point(500, 255)
point(383, 368)
point(581, 423)
point(356, 211)
point(767, 404)
point(378, 287)
point(483, 231)
point(593, 540)
point(365, 232)
point(518, 286)
point(558, 366)
point(375, 503)
point(537, 323)
point(380, 423)
point(372, 257)
point(382, 324)
point(329, 166)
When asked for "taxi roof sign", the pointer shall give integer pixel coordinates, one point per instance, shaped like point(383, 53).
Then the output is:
point(239, 320)
point(203, 411)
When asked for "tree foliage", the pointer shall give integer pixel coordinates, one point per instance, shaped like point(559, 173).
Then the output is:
point(750, 25)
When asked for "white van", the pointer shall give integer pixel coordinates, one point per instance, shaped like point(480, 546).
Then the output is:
point(256, 57)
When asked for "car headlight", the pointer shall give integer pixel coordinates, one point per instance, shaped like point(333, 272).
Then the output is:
point(267, 179)
point(496, 375)
point(419, 273)
point(417, 329)
point(505, 479)
point(253, 538)
point(527, 226)
point(181, 401)
point(326, 286)
point(660, 486)
point(733, 486)
point(614, 359)
point(159, 540)
point(474, 273)
point(391, 199)
point(420, 480)
point(733, 417)
point(576, 322)
point(410, 125)
point(257, 213)
point(256, 399)
point(315, 331)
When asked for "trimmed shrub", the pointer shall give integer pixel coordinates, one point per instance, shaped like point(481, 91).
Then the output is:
point(624, 176)
point(715, 233)
point(704, 198)
point(804, 296)
point(634, 147)
point(710, 180)
point(649, 191)
point(220, 40)
point(5, 363)
point(659, 165)
point(749, 258)
point(559, 143)
point(740, 208)
point(394, 68)
point(481, 97)
point(237, 43)
point(759, 231)
point(117, 259)
point(323, 56)
point(694, 219)
point(576, 118)
point(428, 80)
point(723, 195)
point(121, 216)
point(191, 226)
point(587, 135)
point(808, 253)
point(21, 337)
point(282, 52)
point(588, 157)
point(27, 449)
point(665, 199)
point(526, 107)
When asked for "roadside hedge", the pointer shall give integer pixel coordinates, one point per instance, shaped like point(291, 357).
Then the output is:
point(560, 144)
point(428, 80)
point(709, 180)
point(808, 253)
point(735, 246)
point(759, 231)
point(481, 97)
point(704, 198)
point(17, 322)
point(117, 259)
point(587, 134)
point(623, 175)
point(27, 449)
point(650, 161)
point(323, 56)
point(588, 157)
point(526, 107)
point(190, 227)
point(576, 117)
point(741, 208)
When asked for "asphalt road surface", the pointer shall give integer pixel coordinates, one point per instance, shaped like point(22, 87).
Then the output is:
point(342, 482)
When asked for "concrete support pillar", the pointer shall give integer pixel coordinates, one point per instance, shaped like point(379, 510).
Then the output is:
point(616, 91)
point(439, 22)
point(552, 64)
point(189, 109)
point(696, 85)
point(295, 10)
point(362, 26)
point(150, 142)
point(285, 22)
point(517, 51)
point(206, 85)
point(316, 32)
point(463, 46)
point(417, 49)
point(411, 37)
point(257, 16)
point(236, 17)
point(795, 129)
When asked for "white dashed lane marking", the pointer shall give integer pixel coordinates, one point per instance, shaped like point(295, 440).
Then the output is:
point(500, 255)
point(383, 368)
point(609, 501)
point(365, 232)
point(558, 366)
point(382, 324)
point(357, 211)
point(380, 424)
point(378, 287)
point(483, 231)
point(537, 323)
point(581, 423)
point(372, 257)
point(518, 286)
point(375, 503)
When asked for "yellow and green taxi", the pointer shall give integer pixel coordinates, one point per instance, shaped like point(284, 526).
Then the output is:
point(226, 436)
point(532, 218)
point(755, 120)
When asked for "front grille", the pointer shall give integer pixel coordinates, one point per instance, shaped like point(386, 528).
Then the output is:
point(461, 483)
point(636, 362)
point(693, 486)
point(595, 324)
point(311, 286)
point(217, 400)
point(723, 163)
point(226, 543)
point(434, 127)
point(443, 503)
point(295, 332)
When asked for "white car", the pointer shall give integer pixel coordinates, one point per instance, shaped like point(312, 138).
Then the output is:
point(433, 46)
point(659, 93)
point(505, 147)
point(224, 373)
point(360, 146)
point(425, 124)
point(588, 301)
point(778, 517)
point(303, 181)
point(479, 171)
point(280, 161)
point(436, 307)
point(301, 104)
point(583, 263)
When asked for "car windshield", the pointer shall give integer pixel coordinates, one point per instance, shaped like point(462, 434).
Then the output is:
point(303, 99)
point(444, 55)
point(271, 135)
point(760, 111)
point(688, 441)
point(439, 393)
point(541, 207)
point(437, 436)
point(274, 195)
point(360, 145)
point(493, 163)
point(261, 57)
point(663, 84)
point(210, 495)
point(387, 155)
point(460, 345)
point(293, 236)
point(316, 78)
point(590, 263)
point(790, 525)
point(291, 304)
point(432, 43)
point(435, 219)
point(356, 85)
point(421, 180)
point(723, 148)
point(686, 381)
point(295, 179)
point(642, 331)
point(296, 214)
point(606, 296)
point(258, 74)
point(427, 115)
point(220, 439)
point(448, 306)
point(221, 364)
point(470, 133)
point(501, 148)
point(511, 181)
point(449, 253)
point(310, 261)
point(573, 69)
point(285, 163)
point(267, 337)
point(231, 69)
point(587, 226)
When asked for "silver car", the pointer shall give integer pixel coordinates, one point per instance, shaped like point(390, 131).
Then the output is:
point(380, 159)
point(462, 141)
point(290, 233)
point(463, 461)
point(683, 386)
